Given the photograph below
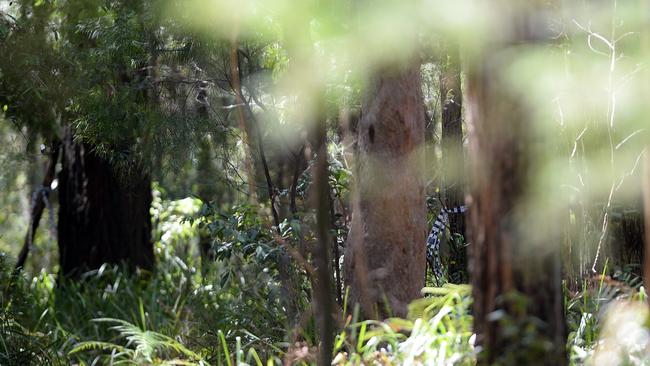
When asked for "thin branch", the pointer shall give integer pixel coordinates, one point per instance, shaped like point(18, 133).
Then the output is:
point(269, 182)
point(294, 183)
point(628, 137)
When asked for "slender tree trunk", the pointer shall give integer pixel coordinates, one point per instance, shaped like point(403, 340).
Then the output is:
point(323, 283)
point(336, 270)
point(243, 127)
point(645, 47)
point(269, 182)
point(451, 100)
point(206, 190)
point(297, 170)
point(384, 258)
point(285, 266)
point(646, 204)
point(286, 272)
point(103, 217)
point(515, 275)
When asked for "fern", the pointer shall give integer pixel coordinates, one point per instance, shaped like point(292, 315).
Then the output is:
point(142, 346)
point(96, 345)
point(449, 295)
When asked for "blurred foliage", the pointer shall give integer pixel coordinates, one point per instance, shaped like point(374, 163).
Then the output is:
point(13, 185)
point(127, 75)
point(167, 313)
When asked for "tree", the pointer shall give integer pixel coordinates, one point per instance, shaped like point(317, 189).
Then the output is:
point(97, 104)
point(385, 259)
point(105, 188)
point(323, 281)
point(103, 215)
point(515, 276)
point(645, 174)
point(451, 100)
point(646, 210)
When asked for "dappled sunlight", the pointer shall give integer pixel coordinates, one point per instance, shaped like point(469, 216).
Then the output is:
point(345, 182)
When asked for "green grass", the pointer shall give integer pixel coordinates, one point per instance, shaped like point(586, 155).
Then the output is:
point(231, 312)
point(173, 319)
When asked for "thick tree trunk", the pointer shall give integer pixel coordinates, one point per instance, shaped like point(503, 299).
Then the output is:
point(385, 256)
point(508, 258)
point(103, 217)
point(451, 100)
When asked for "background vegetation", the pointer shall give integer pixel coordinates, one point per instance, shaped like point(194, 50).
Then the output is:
point(241, 121)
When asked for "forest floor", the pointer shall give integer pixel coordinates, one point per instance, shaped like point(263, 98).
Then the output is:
point(233, 312)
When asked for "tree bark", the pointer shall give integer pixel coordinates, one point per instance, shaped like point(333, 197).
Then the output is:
point(206, 174)
point(646, 205)
point(244, 129)
point(451, 100)
point(323, 283)
point(385, 256)
point(515, 269)
point(103, 217)
point(645, 47)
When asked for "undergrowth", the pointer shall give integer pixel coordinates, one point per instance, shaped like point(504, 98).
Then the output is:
point(231, 311)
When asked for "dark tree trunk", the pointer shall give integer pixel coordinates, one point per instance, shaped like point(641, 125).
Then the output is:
point(207, 175)
point(103, 217)
point(323, 281)
point(515, 276)
point(628, 250)
point(451, 100)
point(385, 256)
point(645, 179)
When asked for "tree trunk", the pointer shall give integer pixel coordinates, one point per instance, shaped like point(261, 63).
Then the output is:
point(515, 268)
point(244, 128)
point(103, 217)
point(385, 256)
point(646, 210)
point(645, 47)
point(206, 175)
point(628, 250)
point(451, 100)
point(323, 282)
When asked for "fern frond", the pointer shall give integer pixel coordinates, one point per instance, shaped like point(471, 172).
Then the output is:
point(146, 343)
point(97, 345)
